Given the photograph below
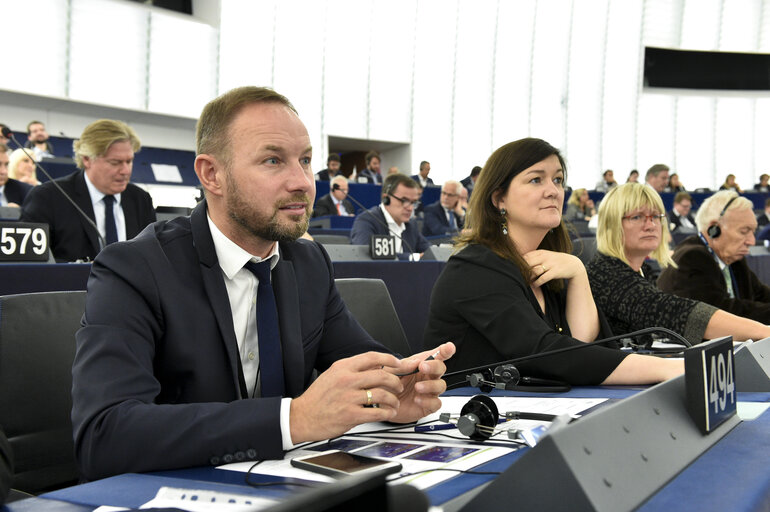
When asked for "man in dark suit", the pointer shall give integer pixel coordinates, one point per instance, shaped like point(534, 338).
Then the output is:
point(332, 168)
point(400, 196)
point(680, 220)
point(334, 203)
point(712, 268)
point(105, 153)
point(12, 192)
point(371, 174)
point(469, 181)
point(447, 215)
point(422, 178)
point(168, 369)
point(763, 219)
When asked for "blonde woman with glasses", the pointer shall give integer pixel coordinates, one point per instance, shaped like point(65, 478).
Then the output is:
point(632, 228)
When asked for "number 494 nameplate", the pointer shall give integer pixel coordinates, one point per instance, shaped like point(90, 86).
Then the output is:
point(23, 241)
point(709, 374)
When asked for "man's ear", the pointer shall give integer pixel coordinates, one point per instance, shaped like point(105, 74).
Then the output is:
point(210, 173)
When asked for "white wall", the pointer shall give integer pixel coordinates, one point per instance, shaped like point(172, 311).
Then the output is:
point(454, 78)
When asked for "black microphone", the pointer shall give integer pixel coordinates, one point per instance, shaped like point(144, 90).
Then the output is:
point(509, 374)
point(366, 210)
point(8, 134)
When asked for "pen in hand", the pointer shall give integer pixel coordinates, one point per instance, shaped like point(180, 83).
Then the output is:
point(416, 370)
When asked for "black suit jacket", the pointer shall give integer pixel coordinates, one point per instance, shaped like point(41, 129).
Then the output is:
point(675, 221)
point(16, 191)
point(371, 176)
point(372, 222)
point(325, 206)
point(699, 277)
point(6, 466)
point(323, 175)
point(436, 222)
point(428, 181)
point(157, 378)
point(71, 236)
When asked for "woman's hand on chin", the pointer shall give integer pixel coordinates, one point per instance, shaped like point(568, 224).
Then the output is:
point(549, 265)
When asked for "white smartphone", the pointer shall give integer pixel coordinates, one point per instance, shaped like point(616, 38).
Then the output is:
point(337, 463)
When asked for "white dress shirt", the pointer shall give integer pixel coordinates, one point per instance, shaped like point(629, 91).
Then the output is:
point(97, 201)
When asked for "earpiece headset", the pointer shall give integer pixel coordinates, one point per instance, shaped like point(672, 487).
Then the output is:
point(386, 192)
point(714, 231)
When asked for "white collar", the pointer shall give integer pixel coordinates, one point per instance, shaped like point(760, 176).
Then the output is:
point(231, 256)
point(95, 193)
point(388, 218)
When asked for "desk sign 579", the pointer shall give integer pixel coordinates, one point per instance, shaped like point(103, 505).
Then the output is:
point(23, 241)
point(709, 375)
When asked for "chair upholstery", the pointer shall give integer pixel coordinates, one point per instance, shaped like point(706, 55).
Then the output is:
point(584, 248)
point(369, 302)
point(37, 347)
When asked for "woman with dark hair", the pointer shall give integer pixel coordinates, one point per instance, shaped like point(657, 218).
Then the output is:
point(514, 289)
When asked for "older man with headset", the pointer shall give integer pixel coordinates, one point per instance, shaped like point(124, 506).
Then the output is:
point(711, 265)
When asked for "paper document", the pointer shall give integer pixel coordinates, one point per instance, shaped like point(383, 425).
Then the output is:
point(165, 172)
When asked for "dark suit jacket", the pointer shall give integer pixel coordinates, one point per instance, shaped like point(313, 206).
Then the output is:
point(325, 206)
point(436, 222)
point(157, 378)
point(372, 222)
point(15, 191)
point(699, 277)
point(323, 175)
point(675, 222)
point(467, 182)
point(416, 177)
point(371, 177)
point(762, 220)
point(6, 466)
point(71, 236)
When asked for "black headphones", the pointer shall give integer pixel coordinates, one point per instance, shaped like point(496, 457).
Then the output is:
point(387, 190)
point(714, 230)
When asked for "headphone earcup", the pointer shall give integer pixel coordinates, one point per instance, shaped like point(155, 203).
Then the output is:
point(714, 231)
point(386, 200)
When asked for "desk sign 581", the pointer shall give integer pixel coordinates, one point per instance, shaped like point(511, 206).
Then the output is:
point(23, 241)
point(709, 374)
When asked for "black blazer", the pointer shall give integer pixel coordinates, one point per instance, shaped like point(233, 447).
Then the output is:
point(6, 466)
point(482, 303)
point(372, 222)
point(436, 222)
point(16, 191)
point(675, 221)
point(428, 181)
point(699, 277)
point(72, 237)
point(325, 206)
point(157, 380)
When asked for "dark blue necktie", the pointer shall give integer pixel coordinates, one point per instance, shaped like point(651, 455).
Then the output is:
point(452, 222)
point(109, 220)
point(270, 360)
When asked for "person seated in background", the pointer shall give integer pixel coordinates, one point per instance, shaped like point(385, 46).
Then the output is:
point(730, 184)
point(763, 185)
point(393, 170)
point(21, 167)
point(12, 192)
point(334, 203)
point(580, 206)
point(674, 185)
point(371, 173)
point(333, 164)
point(400, 197)
point(201, 337)
point(711, 266)
point(101, 189)
point(607, 181)
point(763, 219)
point(37, 140)
point(422, 177)
point(657, 177)
point(470, 181)
point(631, 229)
point(633, 177)
point(3, 139)
point(446, 216)
point(680, 220)
point(514, 289)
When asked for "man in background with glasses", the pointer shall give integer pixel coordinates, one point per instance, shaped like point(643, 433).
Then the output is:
point(447, 215)
point(400, 196)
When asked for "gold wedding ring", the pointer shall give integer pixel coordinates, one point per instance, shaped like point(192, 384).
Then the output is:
point(368, 397)
point(544, 269)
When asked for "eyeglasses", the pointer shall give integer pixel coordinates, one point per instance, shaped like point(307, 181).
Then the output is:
point(448, 194)
point(406, 202)
point(641, 219)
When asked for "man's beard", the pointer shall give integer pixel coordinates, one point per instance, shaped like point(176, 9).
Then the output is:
point(262, 226)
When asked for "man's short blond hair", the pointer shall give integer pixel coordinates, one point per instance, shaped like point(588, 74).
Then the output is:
point(98, 136)
point(212, 132)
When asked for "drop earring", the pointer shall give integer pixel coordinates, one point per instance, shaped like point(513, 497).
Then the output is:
point(504, 224)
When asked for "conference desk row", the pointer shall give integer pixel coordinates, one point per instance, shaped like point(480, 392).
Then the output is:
point(730, 475)
point(409, 283)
